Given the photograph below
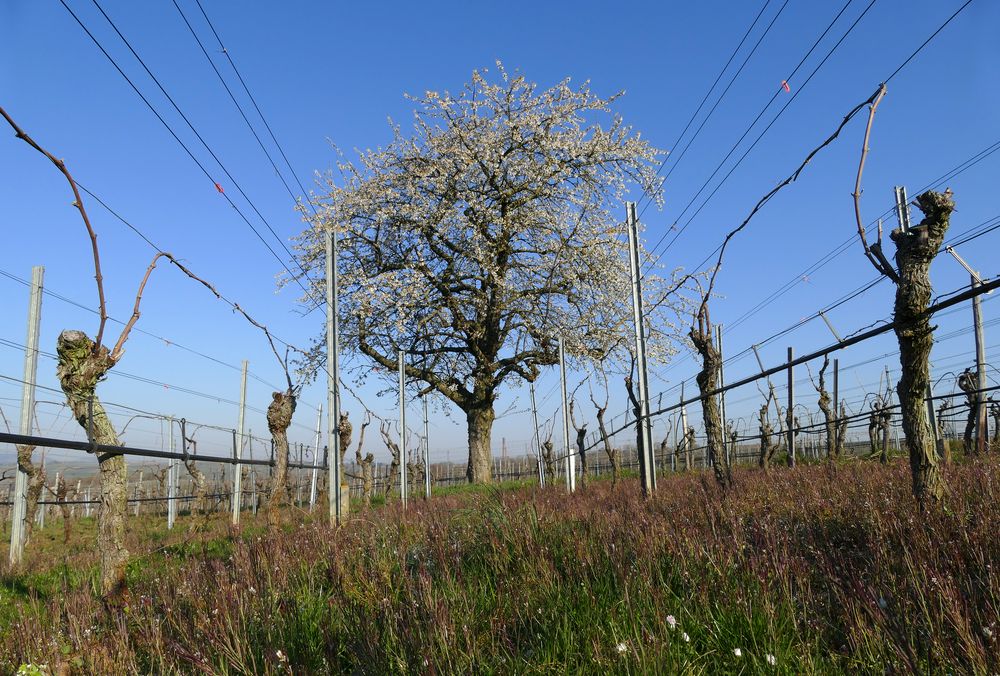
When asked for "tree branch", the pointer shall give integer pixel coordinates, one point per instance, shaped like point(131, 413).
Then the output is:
point(78, 203)
point(873, 253)
point(872, 100)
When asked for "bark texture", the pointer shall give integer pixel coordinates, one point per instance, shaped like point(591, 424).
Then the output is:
point(708, 381)
point(394, 465)
point(614, 456)
point(61, 494)
point(279, 418)
point(640, 441)
point(36, 480)
point(344, 430)
point(915, 249)
point(842, 429)
point(968, 383)
point(548, 457)
point(480, 422)
point(767, 447)
point(686, 448)
point(826, 407)
point(581, 443)
point(79, 370)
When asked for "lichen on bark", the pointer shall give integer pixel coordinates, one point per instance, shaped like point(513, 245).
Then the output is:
point(708, 381)
point(279, 418)
point(915, 249)
point(80, 367)
point(36, 480)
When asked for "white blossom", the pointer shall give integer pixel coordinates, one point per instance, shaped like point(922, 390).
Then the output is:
point(496, 225)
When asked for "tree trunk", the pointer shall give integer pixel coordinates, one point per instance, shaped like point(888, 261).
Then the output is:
point(367, 480)
point(61, 494)
point(609, 450)
point(915, 250)
point(550, 461)
point(199, 484)
point(393, 477)
point(79, 370)
point(640, 441)
point(873, 433)
point(708, 380)
point(480, 419)
point(581, 448)
point(968, 438)
point(766, 448)
point(36, 479)
point(842, 429)
point(830, 425)
point(279, 418)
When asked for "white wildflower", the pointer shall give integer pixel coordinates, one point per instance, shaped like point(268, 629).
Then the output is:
point(672, 621)
point(737, 652)
point(621, 647)
point(687, 639)
point(771, 659)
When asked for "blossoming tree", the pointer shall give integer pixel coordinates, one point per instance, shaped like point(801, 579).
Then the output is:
point(492, 229)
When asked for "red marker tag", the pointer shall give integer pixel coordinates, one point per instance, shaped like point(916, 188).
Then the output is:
point(219, 188)
point(784, 83)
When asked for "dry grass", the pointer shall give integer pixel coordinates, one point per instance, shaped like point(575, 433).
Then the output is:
point(816, 572)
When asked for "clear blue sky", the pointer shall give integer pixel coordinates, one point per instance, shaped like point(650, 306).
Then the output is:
point(337, 70)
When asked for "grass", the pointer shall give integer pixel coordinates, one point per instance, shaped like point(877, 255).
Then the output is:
point(813, 571)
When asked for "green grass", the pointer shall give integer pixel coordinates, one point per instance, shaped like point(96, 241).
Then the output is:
point(818, 573)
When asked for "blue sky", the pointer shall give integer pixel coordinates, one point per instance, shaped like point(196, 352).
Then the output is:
point(335, 71)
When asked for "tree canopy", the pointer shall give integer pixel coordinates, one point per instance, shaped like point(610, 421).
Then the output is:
point(492, 228)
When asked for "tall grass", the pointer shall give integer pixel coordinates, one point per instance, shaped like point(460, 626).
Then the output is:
point(802, 571)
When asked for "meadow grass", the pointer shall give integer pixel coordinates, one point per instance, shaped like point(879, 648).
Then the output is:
point(797, 571)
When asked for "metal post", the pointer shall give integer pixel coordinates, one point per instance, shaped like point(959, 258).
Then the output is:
point(791, 406)
point(981, 422)
point(135, 493)
point(836, 406)
point(333, 375)
point(538, 442)
point(27, 408)
point(171, 478)
point(238, 451)
point(888, 402)
point(684, 428)
point(427, 453)
point(315, 460)
point(646, 431)
point(673, 445)
point(722, 395)
point(570, 463)
point(402, 428)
